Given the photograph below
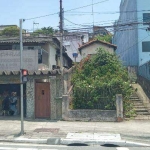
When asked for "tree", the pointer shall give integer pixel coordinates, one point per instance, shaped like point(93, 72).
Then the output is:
point(106, 38)
point(45, 31)
point(97, 80)
point(10, 31)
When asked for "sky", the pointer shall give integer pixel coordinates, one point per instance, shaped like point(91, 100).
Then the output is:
point(105, 12)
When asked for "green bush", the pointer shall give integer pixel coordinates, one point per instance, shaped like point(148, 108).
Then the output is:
point(97, 79)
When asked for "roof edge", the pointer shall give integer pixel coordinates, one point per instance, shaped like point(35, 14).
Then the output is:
point(93, 41)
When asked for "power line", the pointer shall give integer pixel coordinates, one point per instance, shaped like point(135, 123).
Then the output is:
point(66, 10)
point(126, 50)
point(133, 45)
point(86, 6)
point(74, 23)
point(90, 24)
point(115, 25)
point(42, 16)
point(77, 13)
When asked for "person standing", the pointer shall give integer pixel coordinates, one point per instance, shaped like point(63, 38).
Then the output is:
point(5, 104)
point(13, 103)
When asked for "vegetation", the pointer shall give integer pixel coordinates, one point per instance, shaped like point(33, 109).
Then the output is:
point(10, 31)
point(97, 80)
point(44, 31)
point(106, 38)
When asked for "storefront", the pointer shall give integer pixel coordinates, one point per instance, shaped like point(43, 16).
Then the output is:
point(40, 93)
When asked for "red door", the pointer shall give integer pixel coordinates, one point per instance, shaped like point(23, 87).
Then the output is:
point(42, 100)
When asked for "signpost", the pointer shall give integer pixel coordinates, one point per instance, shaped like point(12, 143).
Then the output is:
point(21, 84)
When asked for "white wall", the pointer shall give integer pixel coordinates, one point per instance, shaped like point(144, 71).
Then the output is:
point(92, 49)
point(143, 35)
point(52, 54)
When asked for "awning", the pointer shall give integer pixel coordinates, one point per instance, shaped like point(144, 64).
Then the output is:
point(30, 73)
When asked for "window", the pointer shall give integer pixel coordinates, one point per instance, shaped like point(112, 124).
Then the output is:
point(31, 48)
point(146, 18)
point(145, 46)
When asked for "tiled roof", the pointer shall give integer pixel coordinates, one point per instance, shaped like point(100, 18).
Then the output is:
point(97, 41)
point(25, 39)
point(39, 72)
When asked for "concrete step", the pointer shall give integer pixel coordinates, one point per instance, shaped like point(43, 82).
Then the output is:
point(141, 110)
point(138, 104)
point(142, 117)
point(143, 113)
point(134, 98)
point(139, 107)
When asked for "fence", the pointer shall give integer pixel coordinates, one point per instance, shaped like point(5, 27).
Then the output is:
point(93, 98)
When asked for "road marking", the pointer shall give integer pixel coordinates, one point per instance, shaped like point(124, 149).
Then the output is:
point(6, 148)
point(27, 149)
point(9, 148)
point(33, 149)
point(122, 148)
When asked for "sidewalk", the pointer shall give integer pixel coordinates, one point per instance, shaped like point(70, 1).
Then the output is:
point(45, 129)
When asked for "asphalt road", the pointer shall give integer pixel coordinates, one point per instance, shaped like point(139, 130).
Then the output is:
point(17, 146)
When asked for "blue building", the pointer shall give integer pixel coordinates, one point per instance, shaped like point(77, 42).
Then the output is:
point(131, 33)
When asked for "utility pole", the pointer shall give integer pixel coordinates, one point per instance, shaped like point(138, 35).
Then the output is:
point(21, 83)
point(61, 35)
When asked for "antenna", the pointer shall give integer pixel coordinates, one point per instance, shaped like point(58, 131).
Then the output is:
point(34, 23)
point(93, 17)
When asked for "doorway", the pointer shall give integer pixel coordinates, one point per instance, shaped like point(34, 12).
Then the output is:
point(42, 100)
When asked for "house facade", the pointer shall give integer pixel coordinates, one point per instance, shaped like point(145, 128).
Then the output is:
point(41, 57)
point(72, 41)
point(131, 34)
point(92, 46)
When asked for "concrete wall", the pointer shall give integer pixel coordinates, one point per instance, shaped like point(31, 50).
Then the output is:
point(86, 114)
point(91, 115)
point(30, 98)
point(56, 89)
point(92, 49)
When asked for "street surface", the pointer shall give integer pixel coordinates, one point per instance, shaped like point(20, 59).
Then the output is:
point(13, 146)
point(39, 131)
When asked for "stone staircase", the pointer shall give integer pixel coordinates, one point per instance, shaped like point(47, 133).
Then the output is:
point(141, 112)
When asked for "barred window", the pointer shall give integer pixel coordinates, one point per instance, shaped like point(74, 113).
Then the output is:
point(146, 46)
point(146, 18)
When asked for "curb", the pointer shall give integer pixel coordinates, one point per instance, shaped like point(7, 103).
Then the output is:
point(24, 140)
point(49, 141)
point(59, 141)
point(121, 143)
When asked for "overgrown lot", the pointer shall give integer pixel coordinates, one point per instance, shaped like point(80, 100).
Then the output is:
point(97, 79)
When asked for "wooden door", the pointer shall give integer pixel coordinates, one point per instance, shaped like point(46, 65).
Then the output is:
point(42, 100)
